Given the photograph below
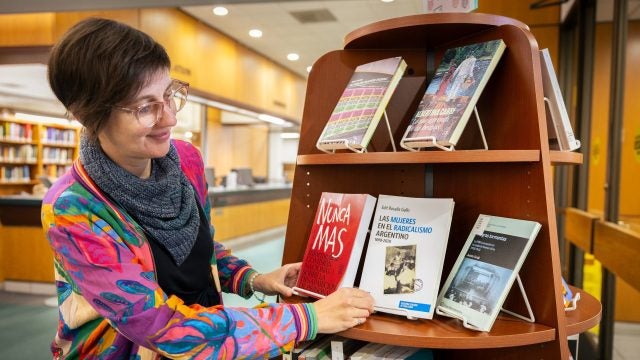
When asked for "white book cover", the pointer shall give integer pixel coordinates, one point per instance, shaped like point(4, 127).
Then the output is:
point(366, 352)
point(558, 122)
point(405, 254)
point(485, 270)
point(449, 6)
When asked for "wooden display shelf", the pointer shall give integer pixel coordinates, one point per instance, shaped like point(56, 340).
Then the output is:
point(422, 157)
point(586, 315)
point(458, 156)
point(447, 333)
point(513, 179)
point(565, 157)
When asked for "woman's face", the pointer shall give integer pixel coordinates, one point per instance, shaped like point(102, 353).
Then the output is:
point(132, 145)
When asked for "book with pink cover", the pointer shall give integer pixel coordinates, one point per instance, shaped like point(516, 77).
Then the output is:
point(361, 105)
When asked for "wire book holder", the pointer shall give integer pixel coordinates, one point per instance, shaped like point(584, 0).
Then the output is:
point(345, 144)
point(434, 142)
point(440, 310)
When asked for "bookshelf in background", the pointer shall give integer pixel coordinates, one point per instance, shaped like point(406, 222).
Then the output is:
point(29, 150)
point(59, 146)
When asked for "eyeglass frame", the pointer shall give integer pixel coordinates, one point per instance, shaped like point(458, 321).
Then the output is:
point(135, 111)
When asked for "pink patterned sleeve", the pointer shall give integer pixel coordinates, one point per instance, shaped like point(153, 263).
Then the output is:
point(103, 266)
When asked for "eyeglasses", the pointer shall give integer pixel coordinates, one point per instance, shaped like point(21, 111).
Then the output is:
point(149, 113)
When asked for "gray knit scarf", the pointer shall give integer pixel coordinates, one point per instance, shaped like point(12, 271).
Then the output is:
point(164, 204)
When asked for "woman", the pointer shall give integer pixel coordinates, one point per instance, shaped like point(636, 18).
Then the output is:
point(137, 272)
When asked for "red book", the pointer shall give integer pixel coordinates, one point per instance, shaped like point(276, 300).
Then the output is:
point(335, 243)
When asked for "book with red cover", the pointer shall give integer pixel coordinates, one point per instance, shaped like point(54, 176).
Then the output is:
point(335, 243)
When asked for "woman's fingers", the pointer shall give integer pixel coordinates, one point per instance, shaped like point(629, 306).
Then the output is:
point(343, 309)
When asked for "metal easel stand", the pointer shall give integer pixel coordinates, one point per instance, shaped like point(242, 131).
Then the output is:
point(440, 310)
point(555, 129)
point(344, 143)
point(531, 317)
point(386, 120)
point(574, 303)
point(434, 142)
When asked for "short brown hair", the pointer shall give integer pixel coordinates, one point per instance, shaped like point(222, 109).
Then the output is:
point(99, 63)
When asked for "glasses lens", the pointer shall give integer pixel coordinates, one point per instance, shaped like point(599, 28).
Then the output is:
point(179, 98)
point(148, 114)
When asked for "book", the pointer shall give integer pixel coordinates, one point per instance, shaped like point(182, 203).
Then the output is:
point(342, 348)
point(318, 350)
point(452, 94)
point(405, 254)
point(335, 243)
point(574, 345)
point(487, 266)
point(300, 347)
point(449, 6)
point(367, 351)
point(361, 105)
point(559, 127)
point(402, 352)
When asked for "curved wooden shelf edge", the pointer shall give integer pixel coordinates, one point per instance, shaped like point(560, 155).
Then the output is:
point(586, 315)
point(407, 157)
point(565, 157)
point(446, 333)
point(427, 19)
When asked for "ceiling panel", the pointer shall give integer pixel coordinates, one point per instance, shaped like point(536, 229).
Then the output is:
point(283, 33)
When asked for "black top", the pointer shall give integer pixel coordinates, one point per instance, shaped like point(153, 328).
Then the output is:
point(192, 281)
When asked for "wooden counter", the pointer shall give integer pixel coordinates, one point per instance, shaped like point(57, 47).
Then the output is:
point(25, 254)
point(241, 211)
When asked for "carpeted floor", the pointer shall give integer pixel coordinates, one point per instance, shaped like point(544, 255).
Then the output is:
point(27, 327)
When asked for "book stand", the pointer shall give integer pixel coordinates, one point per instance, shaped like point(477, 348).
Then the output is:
point(434, 142)
point(348, 146)
point(574, 303)
point(454, 314)
point(547, 104)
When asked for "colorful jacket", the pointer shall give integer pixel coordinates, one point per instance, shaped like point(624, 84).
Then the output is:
point(110, 304)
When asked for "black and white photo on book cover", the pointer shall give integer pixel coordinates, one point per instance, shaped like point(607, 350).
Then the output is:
point(478, 285)
point(485, 269)
point(400, 269)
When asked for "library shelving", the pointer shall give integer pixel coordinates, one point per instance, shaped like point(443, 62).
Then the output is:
point(512, 179)
point(29, 150)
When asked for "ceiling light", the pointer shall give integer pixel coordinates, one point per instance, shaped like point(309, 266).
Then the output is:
point(293, 56)
point(387, 1)
point(255, 33)
point(271, 119)
point(309, 68)
point(220, 10)
point(289, 135)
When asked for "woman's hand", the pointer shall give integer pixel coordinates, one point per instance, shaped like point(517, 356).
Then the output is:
point(279, 281)
point(345, 308)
